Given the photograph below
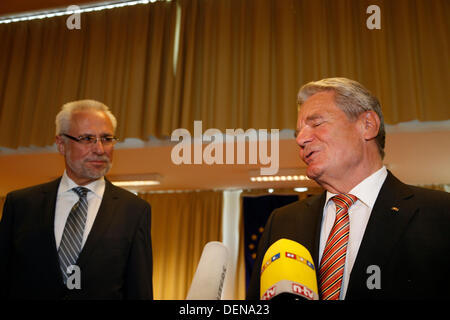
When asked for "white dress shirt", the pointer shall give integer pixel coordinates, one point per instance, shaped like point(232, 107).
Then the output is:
point(67, 198)
point(366, 192)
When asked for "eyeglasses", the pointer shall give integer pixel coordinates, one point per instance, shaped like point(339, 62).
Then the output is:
point(92, 140)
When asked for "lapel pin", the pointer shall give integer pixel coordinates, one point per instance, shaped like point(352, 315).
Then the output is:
point(395, 209)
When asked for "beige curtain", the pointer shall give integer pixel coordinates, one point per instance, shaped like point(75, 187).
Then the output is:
point(182, 223)
point(121, 57)
point(244, 61)
point(239, 63)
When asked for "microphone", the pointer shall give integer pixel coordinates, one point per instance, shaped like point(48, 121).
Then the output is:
point(209, 277)
point(288, 272)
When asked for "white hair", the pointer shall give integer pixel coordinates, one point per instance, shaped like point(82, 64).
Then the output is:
point(63, 118)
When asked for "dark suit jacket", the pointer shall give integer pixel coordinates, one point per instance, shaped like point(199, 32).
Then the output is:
point(411, 246)
point(115, 262)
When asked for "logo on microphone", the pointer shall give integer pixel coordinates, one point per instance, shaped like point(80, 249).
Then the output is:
point(289, 255)
point(270, 293)
point(288, 269)
point(300, 259)
point(265, 265)
point(303, 291)
point(287, 286)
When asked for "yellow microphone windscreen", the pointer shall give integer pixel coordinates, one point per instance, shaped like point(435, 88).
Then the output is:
point(288, 268)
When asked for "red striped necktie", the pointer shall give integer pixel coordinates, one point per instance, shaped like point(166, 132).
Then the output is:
point(332, 264)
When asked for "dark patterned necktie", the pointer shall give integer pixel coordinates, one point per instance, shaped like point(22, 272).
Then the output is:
point(331, 269)
point(72, 237)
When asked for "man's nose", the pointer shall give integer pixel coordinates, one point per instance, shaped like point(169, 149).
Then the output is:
point(303, 136)
point(98, 147)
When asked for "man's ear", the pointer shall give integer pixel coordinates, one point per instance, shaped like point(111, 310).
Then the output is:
point(60, 145)
point(370, 124)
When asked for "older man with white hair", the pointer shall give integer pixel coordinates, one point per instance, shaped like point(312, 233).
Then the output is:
point(79, 236)
point(370, 235)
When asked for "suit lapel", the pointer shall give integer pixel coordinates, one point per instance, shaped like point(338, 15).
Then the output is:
point(316, 207)
point(105, 215)
point(49, 193)
point(390, 215)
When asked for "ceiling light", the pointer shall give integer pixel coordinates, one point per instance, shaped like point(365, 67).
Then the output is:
point(136, 180)
point(136, 183)
point(283, 175)
point(63, 11)
point(279, 178)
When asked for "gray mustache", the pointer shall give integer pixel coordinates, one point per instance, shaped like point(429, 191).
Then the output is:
point(103, 158)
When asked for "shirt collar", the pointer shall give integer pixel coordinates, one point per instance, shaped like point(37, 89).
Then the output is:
point(367, 190)
point(68, 184)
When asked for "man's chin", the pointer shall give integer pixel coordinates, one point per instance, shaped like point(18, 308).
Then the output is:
point(97, 173)
point(313, 172)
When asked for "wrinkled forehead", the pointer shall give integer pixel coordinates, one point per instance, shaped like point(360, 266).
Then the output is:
point(316, 105)
point(319, 99)
point(92, 122)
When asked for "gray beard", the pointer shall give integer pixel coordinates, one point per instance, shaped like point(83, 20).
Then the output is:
point(88, 173)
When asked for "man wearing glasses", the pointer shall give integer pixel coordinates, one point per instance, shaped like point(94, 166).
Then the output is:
point(78, 237)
